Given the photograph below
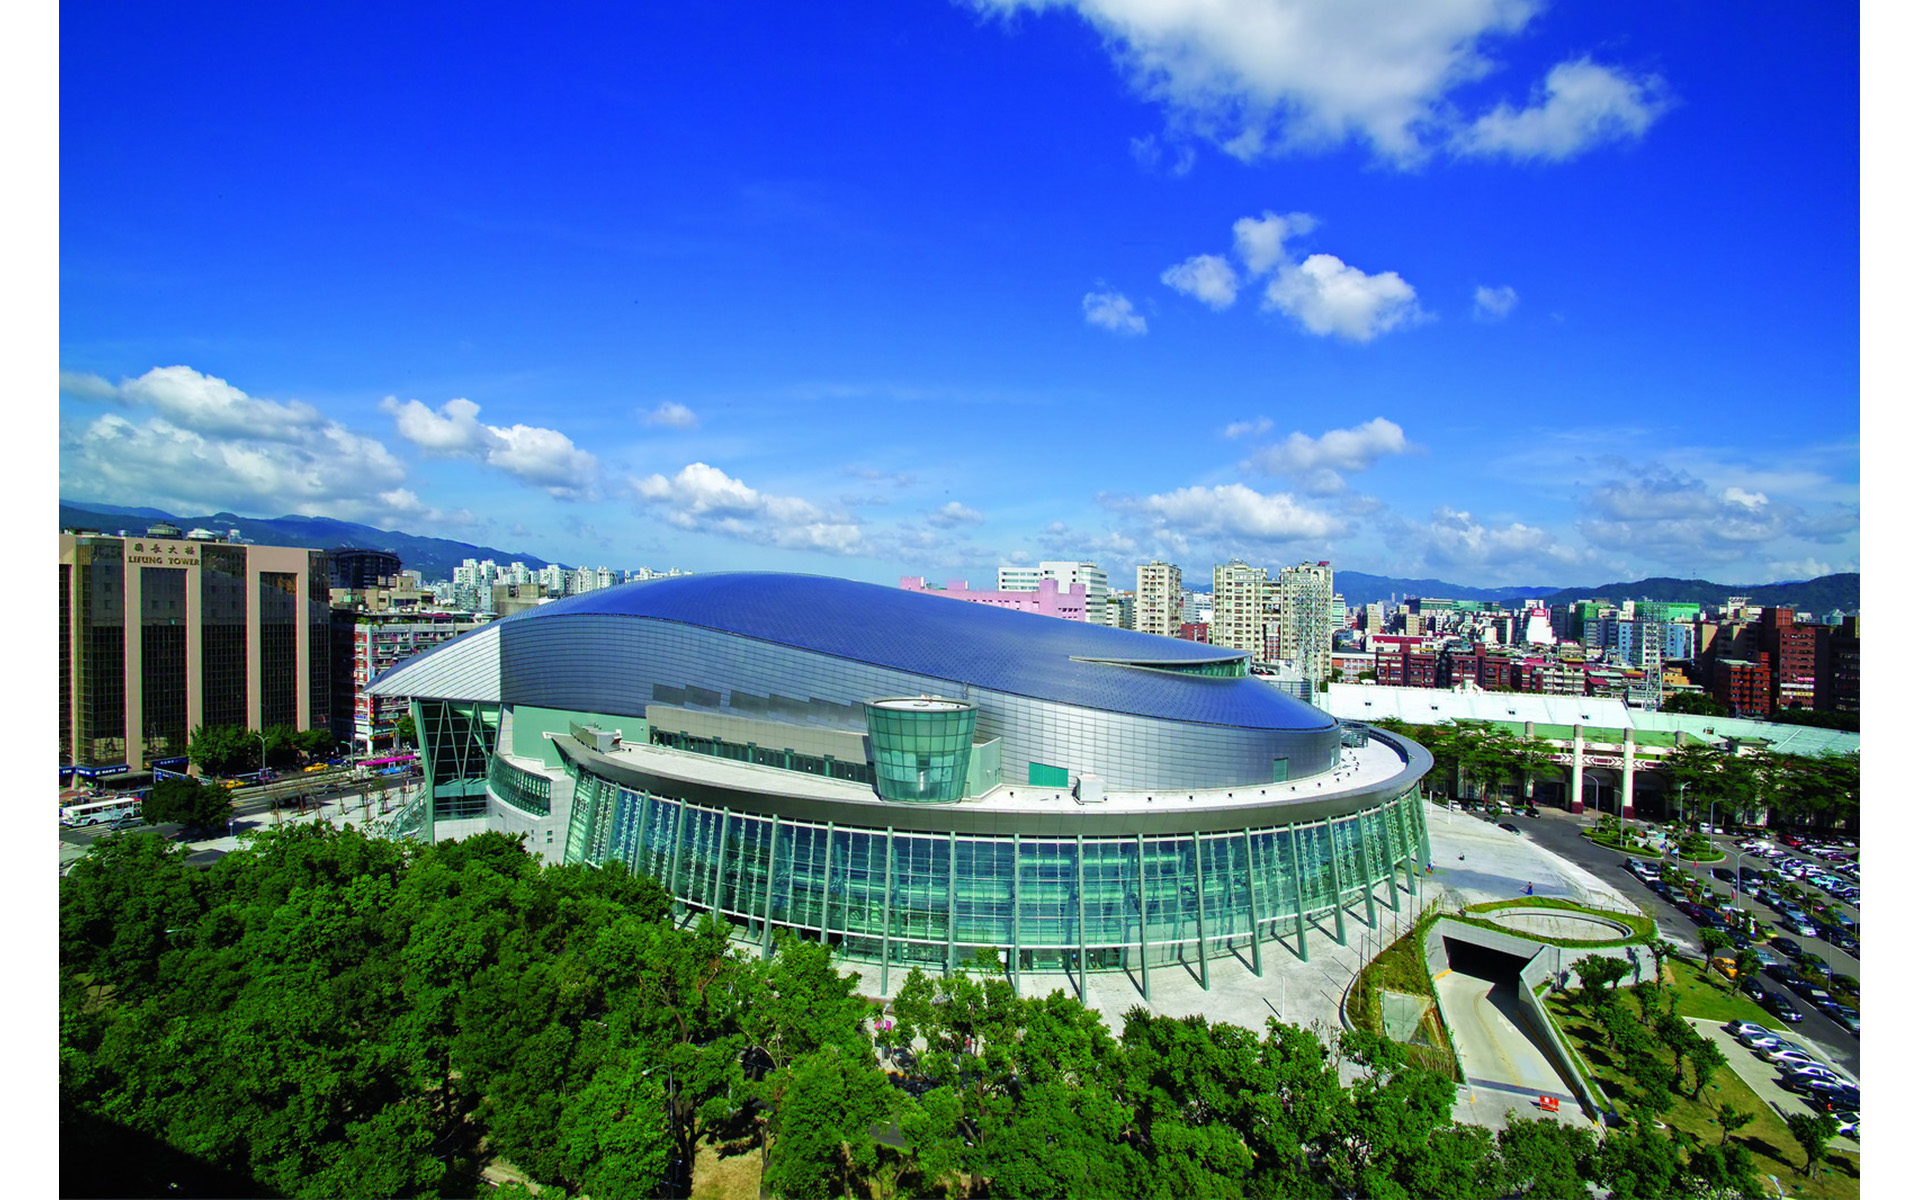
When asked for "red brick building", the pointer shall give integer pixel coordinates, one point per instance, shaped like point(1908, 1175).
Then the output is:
point(1743, 686)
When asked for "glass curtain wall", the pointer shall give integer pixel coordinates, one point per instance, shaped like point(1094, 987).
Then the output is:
point(457, 740)
point(933, 899)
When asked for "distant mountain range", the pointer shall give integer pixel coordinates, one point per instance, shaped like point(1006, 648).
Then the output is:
point(434, 558)
point(1817, 596)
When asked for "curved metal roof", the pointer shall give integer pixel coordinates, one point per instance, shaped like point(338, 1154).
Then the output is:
point(1020, 653)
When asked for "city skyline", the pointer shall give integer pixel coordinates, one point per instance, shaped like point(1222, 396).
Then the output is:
point(1505, 294)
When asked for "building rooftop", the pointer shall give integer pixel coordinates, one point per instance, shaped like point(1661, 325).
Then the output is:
point(1370, 766)
point(971, 645)
point(1599, 717)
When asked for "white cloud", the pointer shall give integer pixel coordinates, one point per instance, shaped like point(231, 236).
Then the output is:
point(1329, 297)
point(705, 499)
point(544, 458)
point(1325, 295)
point(190, 400)
point(953, 514)
point(1453, 539)
point(1337, 450)
point(1253, 428)
point(1493, 303)
point(1235, 510)
point(1672, 517)
point(1261, 241)
point(1582, 105)
point(1208, 278)
point(84, 385)
point(1111, 310)
point(332, 471)
point(1265, 77)
point(197, 442)
point(455, 429)
point(672, 415)
point(1174, 157)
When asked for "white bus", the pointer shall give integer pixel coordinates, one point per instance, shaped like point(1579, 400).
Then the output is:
point(100, 812)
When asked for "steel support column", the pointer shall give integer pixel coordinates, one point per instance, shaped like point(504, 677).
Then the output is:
point(1253, 904)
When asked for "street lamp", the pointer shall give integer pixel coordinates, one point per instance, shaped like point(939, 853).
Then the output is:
point(263, 754)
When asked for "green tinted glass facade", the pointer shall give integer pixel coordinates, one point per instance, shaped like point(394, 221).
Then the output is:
point(1050, 903)
point(920, 748)
point(456, 741)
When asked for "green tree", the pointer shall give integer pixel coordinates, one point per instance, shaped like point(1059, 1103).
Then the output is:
point(1722, 1171)
point(404, 732)
point(1639, 1162)
point(1545, 1158)
point(192, 803)
point(223, 749)
point(1732, 1120)
point(1813, 1132)
point(1697, 704)
point(1714, 941)
point(1601, 970)
point(613, 1133)
point(822, 1144)
point(1706, 1057)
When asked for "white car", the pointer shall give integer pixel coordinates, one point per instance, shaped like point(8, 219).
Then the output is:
point(1796, 1058)
point(1742, 1029)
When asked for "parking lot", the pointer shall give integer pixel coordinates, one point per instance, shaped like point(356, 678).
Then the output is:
point(1766, 1078)
point(1561, 832)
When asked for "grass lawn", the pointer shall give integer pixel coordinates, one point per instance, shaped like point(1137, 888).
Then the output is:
point(726, 1172)
point(1704, 993)
point(1402, 967)
point(1692, 1122)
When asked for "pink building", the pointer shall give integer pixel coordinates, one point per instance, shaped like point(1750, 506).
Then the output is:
point(1049, 601)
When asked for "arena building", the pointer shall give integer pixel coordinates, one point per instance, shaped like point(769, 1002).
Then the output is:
point(909, 779)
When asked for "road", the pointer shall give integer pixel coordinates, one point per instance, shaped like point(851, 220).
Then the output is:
point(1560, 832)
point(336, 792)
point(1503, 1066)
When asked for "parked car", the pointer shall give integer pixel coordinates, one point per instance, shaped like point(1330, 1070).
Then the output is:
point(1782, 1008)
point(1831, 1096)
point(1751, 989)
point(1819, 997)
point(1746, 1029)
point(1849, 1123)
point(1510, 827)
point(1792, 1058)
point(1788, 947)
point(1811, 1071)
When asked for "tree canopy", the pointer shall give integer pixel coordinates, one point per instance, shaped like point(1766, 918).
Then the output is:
point(322, 1013)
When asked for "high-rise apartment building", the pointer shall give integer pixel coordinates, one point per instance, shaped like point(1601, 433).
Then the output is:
point(1156, 600)
point(1090, 576)
point(1307, 614)
point(1119, 610)
point(380, 644)
point(1240, 595)
point(159, 635)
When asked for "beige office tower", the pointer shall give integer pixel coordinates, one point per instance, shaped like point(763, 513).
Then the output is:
point(1156, 601)
point(1240, 595)
point(1306, 616)
point(161, 634)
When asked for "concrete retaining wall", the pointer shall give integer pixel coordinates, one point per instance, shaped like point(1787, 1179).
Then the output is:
point(1541, 963)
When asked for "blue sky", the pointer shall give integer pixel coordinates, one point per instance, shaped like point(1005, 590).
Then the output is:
point(1494, 291)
